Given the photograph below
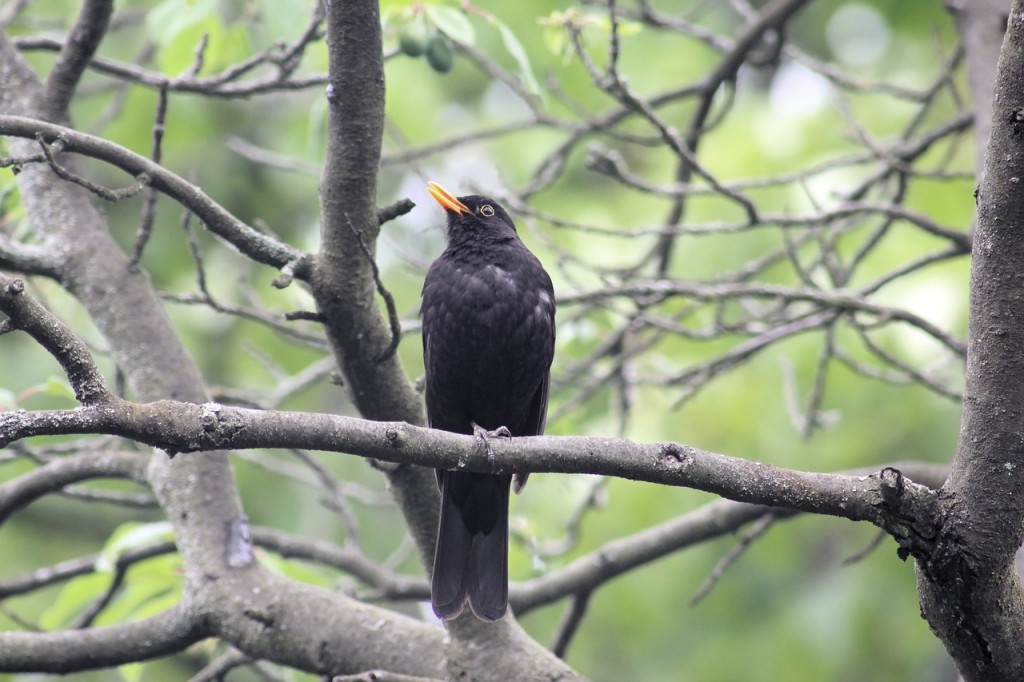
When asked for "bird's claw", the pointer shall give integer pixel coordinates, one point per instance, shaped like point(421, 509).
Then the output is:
point(485, 436)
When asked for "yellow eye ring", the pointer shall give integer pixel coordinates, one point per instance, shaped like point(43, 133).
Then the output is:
point(486, 210)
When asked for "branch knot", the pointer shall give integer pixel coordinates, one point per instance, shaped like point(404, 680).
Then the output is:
point(674, 456)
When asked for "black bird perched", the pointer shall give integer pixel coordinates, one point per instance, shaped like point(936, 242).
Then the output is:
point(488, 341)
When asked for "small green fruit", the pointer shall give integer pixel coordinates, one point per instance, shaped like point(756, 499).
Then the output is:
point(439, 54)
point(412, 40)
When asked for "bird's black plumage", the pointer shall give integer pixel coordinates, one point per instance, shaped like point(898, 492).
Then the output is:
point(488, 341)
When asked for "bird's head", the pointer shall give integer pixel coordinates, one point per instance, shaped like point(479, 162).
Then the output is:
point(473, 216)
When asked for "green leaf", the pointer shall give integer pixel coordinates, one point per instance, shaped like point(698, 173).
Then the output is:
point(129, 536)
point(557, 41)
point(165, 21)
point(178, 26)
point(151, 587)
point(452, 23)
point(73, 597)
point(515, 48)
point(296, 570)
point(58, 387)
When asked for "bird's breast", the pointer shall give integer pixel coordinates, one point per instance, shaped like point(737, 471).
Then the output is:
point(492, 309)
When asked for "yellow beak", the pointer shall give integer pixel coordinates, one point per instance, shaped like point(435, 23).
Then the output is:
point(446, 199)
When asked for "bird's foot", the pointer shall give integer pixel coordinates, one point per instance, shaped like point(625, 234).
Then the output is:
point(485, 436)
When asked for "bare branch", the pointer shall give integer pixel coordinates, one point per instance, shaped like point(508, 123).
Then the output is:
point(149, 207)
point(835, 300)
point(613, 559)
point(256, 245)
point(389, 301)
point(73, 650)
point(74, 356)
point(187, 427)
point(386, 584)
point(217, 669)
point(760, 527)
point(51, 575)
point(29, 259)
point(570, 623)
point(54, 476)
point(75, 56)
point(283, 61)
point(972, 564)
point(111, 195)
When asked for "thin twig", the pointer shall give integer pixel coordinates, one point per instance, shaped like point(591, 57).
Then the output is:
point(149, 205)
point(394, 321)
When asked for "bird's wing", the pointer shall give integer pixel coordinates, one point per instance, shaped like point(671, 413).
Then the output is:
point(538, 417)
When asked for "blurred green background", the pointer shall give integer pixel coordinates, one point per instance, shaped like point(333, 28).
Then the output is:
point(789, 609)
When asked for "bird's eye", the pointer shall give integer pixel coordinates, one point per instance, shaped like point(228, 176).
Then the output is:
point(486, 210)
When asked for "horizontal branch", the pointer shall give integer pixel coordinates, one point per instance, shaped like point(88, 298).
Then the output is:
point(187, 427)
point(54, 475)
point(227, 83)
point(355, 563)
point(75, 650)
point(72, 568)
point(30, 259)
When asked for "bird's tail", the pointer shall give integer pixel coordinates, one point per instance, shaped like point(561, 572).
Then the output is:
point(471, 561)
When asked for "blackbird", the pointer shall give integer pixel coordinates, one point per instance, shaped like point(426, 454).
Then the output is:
point(488, 341)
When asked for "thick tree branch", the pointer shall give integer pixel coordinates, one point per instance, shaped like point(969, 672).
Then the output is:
point(981, 25)
point(30, 259)
point(73, 650)
point(187, 427)
point(75, 55)
point(343, 282)
point(317, 630)
point(970, 592)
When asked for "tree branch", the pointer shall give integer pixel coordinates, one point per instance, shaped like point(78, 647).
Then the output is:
point(187, 427)
point(981, 25)
point(968, 584)
point(30, 259)
point(715, 519)
point(258, 246)
point(75, 55)
point(55, 475)
point(71, 352)
point(343, 282)
point(228, 83)
point(73, 650)
point(832, 299)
